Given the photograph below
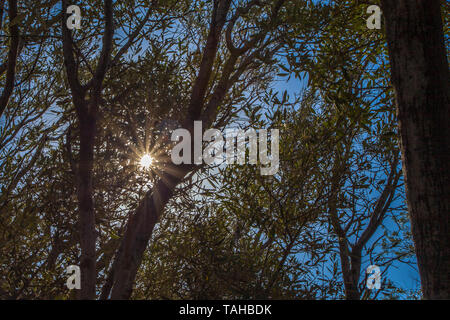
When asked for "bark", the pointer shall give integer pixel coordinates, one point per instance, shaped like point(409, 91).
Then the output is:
point(2, 8)
point(420, 76)
point(12, 57)
point(86, 207)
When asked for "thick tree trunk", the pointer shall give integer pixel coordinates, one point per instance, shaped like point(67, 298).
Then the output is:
point(352, 291)
point(420, 76)
point(13, 52)
point(350, 265)
point(139, 230)
point(86, 208)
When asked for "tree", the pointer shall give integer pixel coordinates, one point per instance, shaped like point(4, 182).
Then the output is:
point(351, 76)
point(206, 102)
point(252, 237)
point(228, 61)
point(420, 76)
point(88, 104)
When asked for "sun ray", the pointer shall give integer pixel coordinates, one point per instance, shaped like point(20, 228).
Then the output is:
point(146, 161)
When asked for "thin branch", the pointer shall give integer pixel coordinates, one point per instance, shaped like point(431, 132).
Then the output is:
point(134, 35)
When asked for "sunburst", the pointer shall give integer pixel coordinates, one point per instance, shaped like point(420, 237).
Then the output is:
point(146, 161)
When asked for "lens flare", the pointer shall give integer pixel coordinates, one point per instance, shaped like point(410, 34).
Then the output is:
point(146, 161)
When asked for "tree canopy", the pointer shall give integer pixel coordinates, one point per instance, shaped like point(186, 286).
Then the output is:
point(80, 108)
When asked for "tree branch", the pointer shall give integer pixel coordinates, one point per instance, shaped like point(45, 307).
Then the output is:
point(218, 19)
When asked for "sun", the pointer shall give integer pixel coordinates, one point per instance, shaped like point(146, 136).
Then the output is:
point(146, 161)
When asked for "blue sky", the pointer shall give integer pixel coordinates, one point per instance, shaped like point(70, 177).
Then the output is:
point(403, 275)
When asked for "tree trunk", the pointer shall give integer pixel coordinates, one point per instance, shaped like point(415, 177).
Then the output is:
point(10, 66)
point(420, 76)
point(87, 114)
point(139, 230)
point(86, 208)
